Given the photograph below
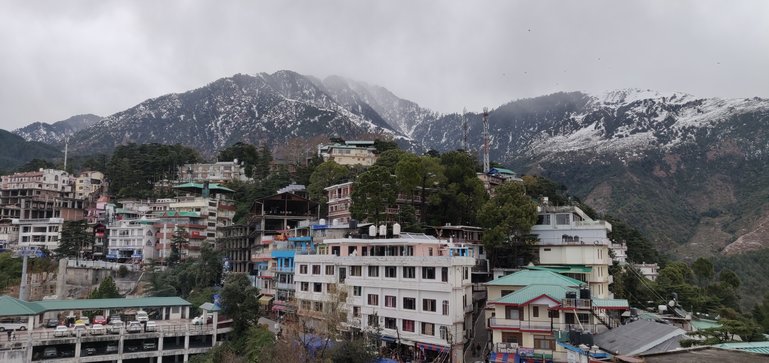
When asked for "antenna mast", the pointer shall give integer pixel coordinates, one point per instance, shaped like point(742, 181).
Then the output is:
point(486, 166)
point(465, 146)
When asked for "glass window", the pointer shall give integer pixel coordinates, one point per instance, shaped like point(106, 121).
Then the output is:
point(356, 290)
point(409, 303)
point(373, 271)
point(562, 219)
point(428, 273)
point(303, 269)
point(390, 301)
point(355, 271)
point(305, 286)
point(409, 272)
point(544, 342)
point(428, 305)
point(428, 329)
point(330, 270)
point(445, 274)
point(390, 323)
point(391, 271)
point(408, 325)
point(316, 269)
point(373, 299)
point(373, 320)
point(512, 313)
point(445, 307)
point(317, 287)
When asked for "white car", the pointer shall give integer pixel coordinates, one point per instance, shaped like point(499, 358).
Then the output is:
point(78, 329)
point(61, 331)
point(142, 316)
point(98, 329)
point(114, 327)
point(133, 327)
point(150, 326)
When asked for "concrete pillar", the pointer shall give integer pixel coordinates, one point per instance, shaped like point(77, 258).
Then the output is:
point(120, 348)
point(216, 328)
point(163, 313)
point(160, 348)
point(77, 348)
point(61, 279)
point(187, 344)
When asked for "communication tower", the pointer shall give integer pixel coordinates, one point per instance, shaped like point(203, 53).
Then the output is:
point(486, 166)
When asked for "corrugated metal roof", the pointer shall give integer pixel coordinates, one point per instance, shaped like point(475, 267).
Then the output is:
point(116, 303)
point(532, 292)
point(10, 306)
point(753, 347)
point(211, 186)
point(535, 277)
point(611, 303)
point(563, 269)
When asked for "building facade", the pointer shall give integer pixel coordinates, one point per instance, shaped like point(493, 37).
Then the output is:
point(349, 153)
point(415, 288)
point(219, 172)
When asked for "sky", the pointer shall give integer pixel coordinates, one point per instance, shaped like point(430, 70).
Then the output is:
point(62, 58)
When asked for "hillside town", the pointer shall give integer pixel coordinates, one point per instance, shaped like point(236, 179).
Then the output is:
point(322, 275)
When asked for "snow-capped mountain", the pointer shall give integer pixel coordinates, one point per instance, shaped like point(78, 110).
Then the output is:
point(263, 108)
point(54, 133)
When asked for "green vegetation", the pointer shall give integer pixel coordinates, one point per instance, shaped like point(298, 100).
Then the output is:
point(507, 219)
point(134, 169)
point(106, 290)
point(74, 239)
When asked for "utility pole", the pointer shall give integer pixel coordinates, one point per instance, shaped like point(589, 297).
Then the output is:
point(465, 145)
point(66, 149)
point(23, 287)
point(486, 166)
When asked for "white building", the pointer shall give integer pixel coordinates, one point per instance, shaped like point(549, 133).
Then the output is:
point(648, 270)
point(9, 234)
point(569, 237)
point(39, 233)
point(87, 183)
point(219, 172)
point(132, 240)
point(414, 287)
point(349, 153)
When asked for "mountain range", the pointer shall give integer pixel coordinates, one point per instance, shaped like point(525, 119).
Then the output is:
point(690, 172)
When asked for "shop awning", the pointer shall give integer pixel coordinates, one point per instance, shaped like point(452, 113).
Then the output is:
point(433, 347)
point(265, 299)
point(495, 357)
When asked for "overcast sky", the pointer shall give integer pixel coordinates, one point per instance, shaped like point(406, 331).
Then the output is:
point(61, 58)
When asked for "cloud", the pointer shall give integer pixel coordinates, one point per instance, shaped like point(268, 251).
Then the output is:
point(65, 58)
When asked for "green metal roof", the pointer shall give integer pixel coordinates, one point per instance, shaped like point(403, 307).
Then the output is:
point(563, 269)
point(701, 324)
point(173, 213)
point(531, 292)
point(611, 303)
point(116, 303)
point(10, 306)
point(211, 186)
point(753, 347)
point(535, 277)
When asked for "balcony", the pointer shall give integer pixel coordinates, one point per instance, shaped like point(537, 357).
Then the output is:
point(576, 304)
point(285, 269)
point(284, 286)
point(502, 324)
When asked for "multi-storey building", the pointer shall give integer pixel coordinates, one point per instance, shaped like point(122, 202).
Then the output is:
point(191, 226)
point(349, 153)
point(132, 240)
point(213, 204)
point(532, 312)
point(89, 183)
point(569, 237)
point(340, 201)
point(236, 242)
point(9, 234)
point(39, 233)
point(219, 172)
point(414, 287)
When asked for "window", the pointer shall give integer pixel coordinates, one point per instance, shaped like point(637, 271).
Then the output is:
point(543, 219)
point(373, 299)
point(408, 325)
point(356, 312)
point(390, 301)
point(356, 290)
point(506, 292)
point(535, 311)
point(553, 314)
point(373, 271)
point(512, 313)
point(305, 305)
point(373, 320)
point(303, 269)
point(445, 274)
point(316, 269)
point(445, 307)
point(355, 271)
point(508, 337)
point(428, 305)
point(390, 323)
point(305, 286)
point(409, 303)
point(391, 271)
point(428, 273)
point(544, 342)
point(562, 219)
point(428, 329)
point(330, 270)
point(409, 272)
point(317, 287)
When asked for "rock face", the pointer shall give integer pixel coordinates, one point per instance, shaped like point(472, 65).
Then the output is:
point(691, 172)
point(54, 133)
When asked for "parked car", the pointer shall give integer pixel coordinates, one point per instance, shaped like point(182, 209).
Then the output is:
point(98, 329)
point(85, 320)
point(100, 319)
point(61, 331)
point(142, 316)
point(111, 348)
point(132, 348)
point(199, 320)
point(78, 329)
point(88, 351)
point(150, 345)
point(52, 323)
point(50, 352)
point(114, 327)
point(8, 324)
point(133, 327)
point(150, 325)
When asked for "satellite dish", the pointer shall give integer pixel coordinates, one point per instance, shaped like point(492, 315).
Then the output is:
point(672, 303)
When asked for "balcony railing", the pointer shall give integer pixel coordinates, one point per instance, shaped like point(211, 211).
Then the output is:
point(288, 269)
point(497, 323)
point(577, 303)
point(284, 286)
